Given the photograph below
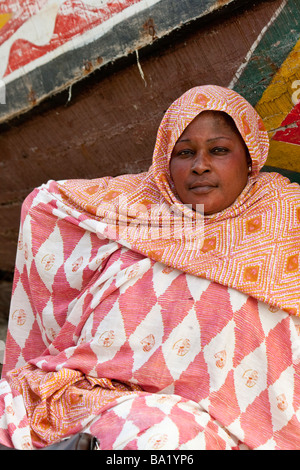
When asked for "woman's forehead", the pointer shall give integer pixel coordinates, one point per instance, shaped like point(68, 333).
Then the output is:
point(216, 120)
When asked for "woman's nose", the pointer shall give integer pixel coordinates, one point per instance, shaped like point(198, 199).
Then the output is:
point(201, 163)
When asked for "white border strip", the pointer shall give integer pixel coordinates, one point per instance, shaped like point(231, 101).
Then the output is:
point(74, 43)
point(255, 44)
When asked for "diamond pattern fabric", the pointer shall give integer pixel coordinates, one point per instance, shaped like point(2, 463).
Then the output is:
point(210, 368)
point(153, 342)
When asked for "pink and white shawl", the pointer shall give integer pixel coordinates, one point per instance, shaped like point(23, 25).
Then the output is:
point(142, 342)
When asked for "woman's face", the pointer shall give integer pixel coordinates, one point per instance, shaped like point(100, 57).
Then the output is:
point(209, 163)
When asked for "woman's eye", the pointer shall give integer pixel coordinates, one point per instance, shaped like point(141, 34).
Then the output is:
point(184, 153)
point(219, 150)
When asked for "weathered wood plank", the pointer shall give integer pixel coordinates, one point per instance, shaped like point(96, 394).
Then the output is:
point(62, 42)
point(274, 71)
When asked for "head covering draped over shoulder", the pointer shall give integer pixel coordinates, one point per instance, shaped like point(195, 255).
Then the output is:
point(252, 246)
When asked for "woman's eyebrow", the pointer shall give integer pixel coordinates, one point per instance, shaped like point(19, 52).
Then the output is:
point(183, 140)
point(218, 138)
point(208, 140)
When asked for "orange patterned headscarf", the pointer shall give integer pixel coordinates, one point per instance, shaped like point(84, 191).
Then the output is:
point(252, 246)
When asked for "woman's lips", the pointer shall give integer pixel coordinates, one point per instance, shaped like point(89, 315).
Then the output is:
point(202, 188)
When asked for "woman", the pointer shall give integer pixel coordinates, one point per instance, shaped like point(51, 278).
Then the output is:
point(161, 310)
